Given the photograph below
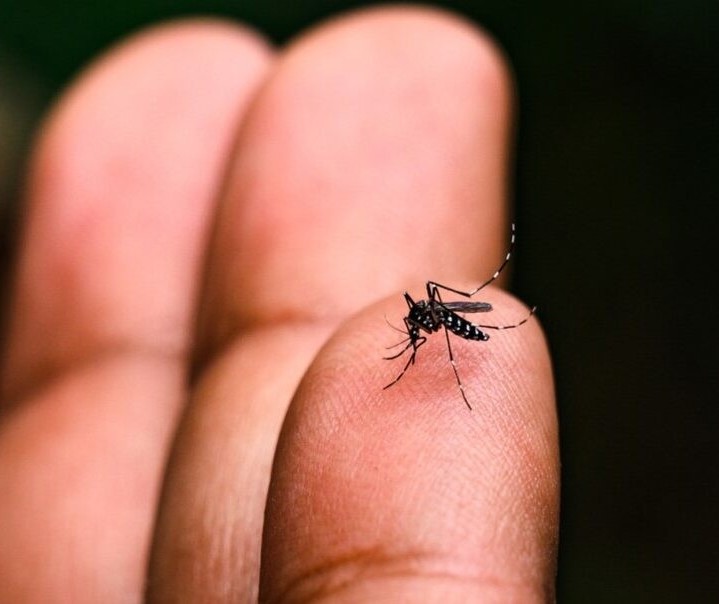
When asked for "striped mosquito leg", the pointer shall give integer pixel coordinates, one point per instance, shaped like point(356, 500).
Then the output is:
point(433, 286)
point(498, 272)
point(522, 322)
point(399, 377)
point(454, 368)
point(415, 346)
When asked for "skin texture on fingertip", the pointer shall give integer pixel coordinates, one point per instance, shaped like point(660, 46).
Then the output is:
point(406, 488)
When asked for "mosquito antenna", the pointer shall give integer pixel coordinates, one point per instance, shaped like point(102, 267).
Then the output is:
point(402, 331)
point(398, 344)
point(401, 352)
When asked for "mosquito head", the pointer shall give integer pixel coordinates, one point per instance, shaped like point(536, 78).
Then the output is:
point(418, 311)
point(421, 316)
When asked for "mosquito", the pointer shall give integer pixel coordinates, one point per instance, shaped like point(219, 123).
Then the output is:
point(433, 314)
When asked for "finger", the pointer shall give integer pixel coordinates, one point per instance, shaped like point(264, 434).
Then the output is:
point(405, 495)
point(122, 182)
point(120, 193)
point(370, 164)
point(372, 158)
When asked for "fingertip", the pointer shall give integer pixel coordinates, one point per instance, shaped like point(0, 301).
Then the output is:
point(407, 481)
point(390, 130)
point(171, 70)
point(429, 30)
point(120, 193)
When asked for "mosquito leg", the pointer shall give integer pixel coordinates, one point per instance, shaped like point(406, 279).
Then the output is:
point(416, 344)
point(433, 286)
point(522, 322)
point(409, 362)
point(454, 368)
point(401, 352)
point(409, 337)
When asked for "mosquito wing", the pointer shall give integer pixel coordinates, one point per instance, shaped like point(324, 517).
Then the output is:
point(468, 306)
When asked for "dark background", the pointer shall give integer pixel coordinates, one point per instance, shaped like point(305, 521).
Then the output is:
point(616, 193)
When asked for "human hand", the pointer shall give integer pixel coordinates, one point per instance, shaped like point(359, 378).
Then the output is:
point(203, 214)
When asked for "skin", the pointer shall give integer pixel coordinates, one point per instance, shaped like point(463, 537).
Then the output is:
point(192, 403)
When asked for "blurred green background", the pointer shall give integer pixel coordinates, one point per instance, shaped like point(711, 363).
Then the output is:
point(616, 191)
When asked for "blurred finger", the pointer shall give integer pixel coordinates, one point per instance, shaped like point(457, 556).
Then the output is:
point(121, 189)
